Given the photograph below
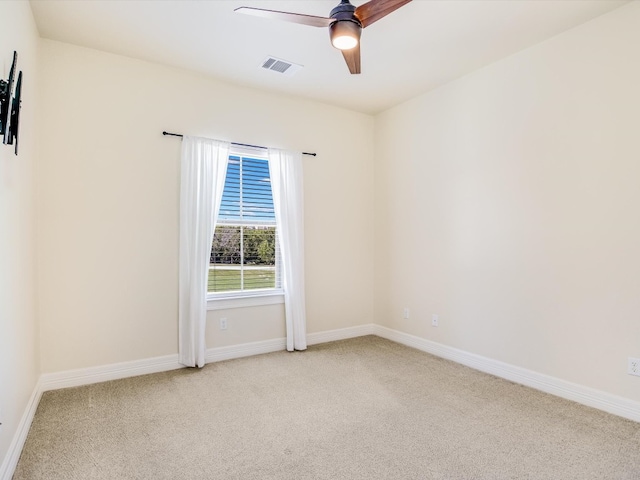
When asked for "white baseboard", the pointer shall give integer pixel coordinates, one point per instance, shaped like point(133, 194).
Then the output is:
point(340, 334)
point(115, 371)
point(104, 373)
point(278, 344)
point(591, 397)
point(219, 354)
point(17, 443)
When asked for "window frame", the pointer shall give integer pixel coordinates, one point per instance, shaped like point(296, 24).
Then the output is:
point(251, 297)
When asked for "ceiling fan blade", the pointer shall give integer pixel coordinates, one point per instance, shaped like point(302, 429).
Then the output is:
point(374, 10)
point(352, 57)
point(310, 20)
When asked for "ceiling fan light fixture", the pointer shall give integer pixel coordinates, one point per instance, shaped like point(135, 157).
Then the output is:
point(345, 34)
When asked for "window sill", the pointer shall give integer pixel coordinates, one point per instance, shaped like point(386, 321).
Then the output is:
point(224, 303)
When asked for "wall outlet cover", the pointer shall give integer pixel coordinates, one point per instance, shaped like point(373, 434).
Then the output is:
point(633, 367)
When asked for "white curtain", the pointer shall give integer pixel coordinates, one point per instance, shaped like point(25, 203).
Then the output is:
point(202, 174)
point(286, 185)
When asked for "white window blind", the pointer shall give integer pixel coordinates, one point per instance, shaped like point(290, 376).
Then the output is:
point(244, 254)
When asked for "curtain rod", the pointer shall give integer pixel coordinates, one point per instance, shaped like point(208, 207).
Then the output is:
point(234, 143)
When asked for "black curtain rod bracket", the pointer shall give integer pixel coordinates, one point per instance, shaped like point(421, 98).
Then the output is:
point(234, 143)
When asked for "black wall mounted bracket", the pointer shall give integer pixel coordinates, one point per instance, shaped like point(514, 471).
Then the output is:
point(10, 102)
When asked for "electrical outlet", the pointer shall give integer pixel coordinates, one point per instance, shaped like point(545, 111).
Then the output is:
point(405, 313)
point(223, 323)
point(634, 366)
point(434, 320)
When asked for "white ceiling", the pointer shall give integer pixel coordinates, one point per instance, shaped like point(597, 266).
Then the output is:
point(415, 49)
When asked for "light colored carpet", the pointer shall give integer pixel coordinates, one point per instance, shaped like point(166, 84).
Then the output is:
point(365, 408)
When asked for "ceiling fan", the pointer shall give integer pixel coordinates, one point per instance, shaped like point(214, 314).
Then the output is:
point(345, 23)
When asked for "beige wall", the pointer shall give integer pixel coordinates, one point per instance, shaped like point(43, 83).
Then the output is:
point(507, 202)
point(19, 365)
point(108, 195)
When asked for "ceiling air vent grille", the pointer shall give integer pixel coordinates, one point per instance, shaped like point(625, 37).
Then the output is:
point(280, 66)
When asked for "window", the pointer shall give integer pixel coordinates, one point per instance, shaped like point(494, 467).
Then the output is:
point(245, 259)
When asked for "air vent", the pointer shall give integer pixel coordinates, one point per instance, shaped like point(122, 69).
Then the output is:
point(281, 66)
